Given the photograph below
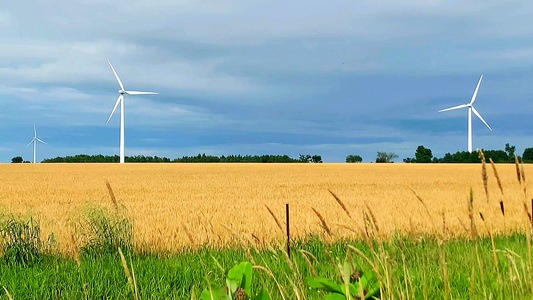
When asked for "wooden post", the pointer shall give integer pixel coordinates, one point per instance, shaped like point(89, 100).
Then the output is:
point(288, 231)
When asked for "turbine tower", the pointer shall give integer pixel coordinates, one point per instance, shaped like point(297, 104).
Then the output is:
point(471, 109)
point(122, 92)
point(34, 141)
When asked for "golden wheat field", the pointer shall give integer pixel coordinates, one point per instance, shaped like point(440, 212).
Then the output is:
point(219, 204)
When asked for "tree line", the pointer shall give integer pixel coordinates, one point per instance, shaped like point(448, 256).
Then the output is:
point(200, 158)
point(425, 155)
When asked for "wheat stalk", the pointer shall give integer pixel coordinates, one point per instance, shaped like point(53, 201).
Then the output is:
point(473, 231)
point(482, 274)
point(373, 218)
point(496, 175)
point(359, 230)
point(421, 200)
point(7, 293)
point(523, 174)
point(131, 280)
point(463, 225)
point(516, 163)
point(472, 279)
point(484, 174)
point(275, 219)
point(444, 227)
point(445, 273)
point(311, 268)
point(112, 194)
point(528, 236)
point(189, 234)
point(323, 221)
point(340, 203)
point(266, 270)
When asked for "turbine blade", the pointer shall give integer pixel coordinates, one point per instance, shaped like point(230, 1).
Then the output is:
point(34, 131)
point(114, 108)
point(30, 142)
point(141, 93)
point(118, 79)
point(38, 139)
point(475, 92)
point(455, 107)
point(480, 117)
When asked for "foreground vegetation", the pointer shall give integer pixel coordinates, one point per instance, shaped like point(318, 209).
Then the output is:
point(413, 267)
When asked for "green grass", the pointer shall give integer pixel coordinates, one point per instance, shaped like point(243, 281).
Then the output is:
point(413, 267)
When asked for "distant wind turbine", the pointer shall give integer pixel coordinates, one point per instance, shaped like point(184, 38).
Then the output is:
point(34, 141)
point(470, 110)
point(120, 100)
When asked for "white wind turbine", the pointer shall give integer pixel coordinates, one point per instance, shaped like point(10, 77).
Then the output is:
point(120, 100)
point(470, 110)
point(34, 141)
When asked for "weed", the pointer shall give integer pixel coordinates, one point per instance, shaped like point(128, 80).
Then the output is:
point(21, 241)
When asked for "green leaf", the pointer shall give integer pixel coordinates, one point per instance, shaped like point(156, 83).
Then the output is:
point(325, 284)
point(263, 295)
point(346, 269)
point(373, 291)
point(247, 280)
point(241, 276)
point(232, 285)
point(354, 289)
point(364, 281)
point(218, 294)
point(335, 296)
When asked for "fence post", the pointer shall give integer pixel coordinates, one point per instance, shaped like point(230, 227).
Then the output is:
point(288, 231)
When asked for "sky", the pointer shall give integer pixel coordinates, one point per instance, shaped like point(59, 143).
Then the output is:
point(331, 78)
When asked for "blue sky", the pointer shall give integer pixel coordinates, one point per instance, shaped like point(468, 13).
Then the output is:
point(264, 77)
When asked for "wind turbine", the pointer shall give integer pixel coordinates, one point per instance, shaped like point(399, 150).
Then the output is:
point(470, 110)
point(34, 141)
point(122, 92)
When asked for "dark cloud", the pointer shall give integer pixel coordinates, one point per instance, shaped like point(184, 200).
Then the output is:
point(332, 78)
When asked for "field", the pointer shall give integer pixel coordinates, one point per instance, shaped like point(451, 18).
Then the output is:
point(181, 205)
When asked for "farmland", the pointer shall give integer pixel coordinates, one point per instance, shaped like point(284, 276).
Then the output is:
point(182, 205)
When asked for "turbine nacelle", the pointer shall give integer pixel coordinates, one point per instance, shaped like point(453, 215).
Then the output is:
point(122, 92)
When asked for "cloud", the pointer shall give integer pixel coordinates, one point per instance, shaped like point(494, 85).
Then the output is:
point(246, 77)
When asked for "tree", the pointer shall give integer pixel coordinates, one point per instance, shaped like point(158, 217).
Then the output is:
point(528, 155)
point(408, 160)
point(354, 159)
point(316, 159)
point(423, 155)
point(386, 157)
point(305, 158)
point(510, 151)
point(17, 160)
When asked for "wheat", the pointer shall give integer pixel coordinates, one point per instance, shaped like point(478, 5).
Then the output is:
point(498, 180)
point(112, 194)
point(340, 203)
point(421, 201)
point(311, 268)
point(517, 166)
point(484, 175)
point(473, 230)
point(322, 221)
point(160, 197)
point(275, 218)
point(131, 279)
point(7, 293)
point(189, 234)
